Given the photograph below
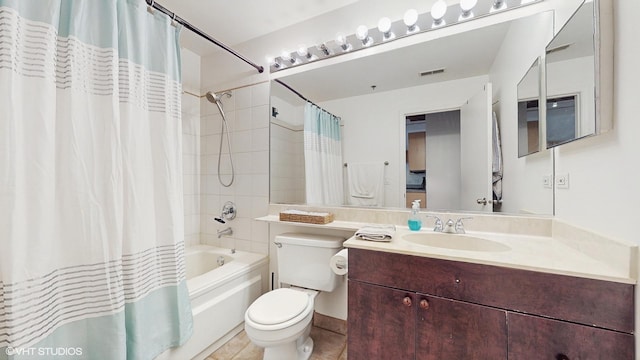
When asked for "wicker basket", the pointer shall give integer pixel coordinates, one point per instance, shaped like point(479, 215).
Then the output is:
point(309, 219)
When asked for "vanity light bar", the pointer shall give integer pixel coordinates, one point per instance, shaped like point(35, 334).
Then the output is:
point(375, 36)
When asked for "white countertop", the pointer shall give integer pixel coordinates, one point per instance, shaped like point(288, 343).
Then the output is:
point(537, 253)
point(567, 251)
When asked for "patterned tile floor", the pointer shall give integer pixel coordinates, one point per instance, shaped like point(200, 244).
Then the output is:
point(328, 345)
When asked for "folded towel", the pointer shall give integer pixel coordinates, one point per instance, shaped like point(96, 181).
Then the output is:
point(376, 232)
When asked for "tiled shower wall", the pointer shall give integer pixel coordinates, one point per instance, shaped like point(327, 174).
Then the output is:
point(247, 112)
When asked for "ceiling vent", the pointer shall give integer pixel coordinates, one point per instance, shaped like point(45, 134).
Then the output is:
point(432, 72)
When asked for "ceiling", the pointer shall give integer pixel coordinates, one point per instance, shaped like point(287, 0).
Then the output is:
point(463, 55)
point(235, 22)
point(240, 21)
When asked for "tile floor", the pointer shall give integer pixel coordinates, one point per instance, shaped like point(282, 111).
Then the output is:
point(328, 345)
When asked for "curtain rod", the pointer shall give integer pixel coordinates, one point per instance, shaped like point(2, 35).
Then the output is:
point(304, 98)
point(194, 29)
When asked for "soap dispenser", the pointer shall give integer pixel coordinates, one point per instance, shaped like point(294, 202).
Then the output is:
point(415, 223)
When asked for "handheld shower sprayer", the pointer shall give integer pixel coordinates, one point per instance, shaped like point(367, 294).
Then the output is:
point(217, 99)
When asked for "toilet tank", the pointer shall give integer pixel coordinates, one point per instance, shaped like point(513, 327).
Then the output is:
point(303, 260)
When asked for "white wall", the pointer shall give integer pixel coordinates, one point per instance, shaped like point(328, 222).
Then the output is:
point(379, 117)
point(191, 146)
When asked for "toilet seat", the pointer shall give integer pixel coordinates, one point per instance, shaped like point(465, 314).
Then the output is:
point(279, 309)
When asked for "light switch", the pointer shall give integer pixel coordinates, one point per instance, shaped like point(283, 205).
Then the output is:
point(546, 181)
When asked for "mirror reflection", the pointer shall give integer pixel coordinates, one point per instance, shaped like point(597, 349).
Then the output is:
point(445, 83)
point(570, 80)
point(529, 111)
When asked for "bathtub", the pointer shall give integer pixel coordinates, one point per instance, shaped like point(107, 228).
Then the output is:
point(219, 295)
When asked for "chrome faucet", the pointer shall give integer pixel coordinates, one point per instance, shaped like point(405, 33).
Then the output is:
point(450, 227)
point(437, 227)
point(459, 227)
point(226, 231)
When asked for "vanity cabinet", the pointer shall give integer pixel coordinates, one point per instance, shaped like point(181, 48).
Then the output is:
point(413, 307)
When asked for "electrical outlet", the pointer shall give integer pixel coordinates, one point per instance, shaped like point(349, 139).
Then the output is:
point(562, 181)
point(546, 181)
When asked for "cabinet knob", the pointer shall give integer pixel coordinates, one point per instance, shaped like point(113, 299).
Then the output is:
point(406, 301)
point(424, 304)
point(562, 357)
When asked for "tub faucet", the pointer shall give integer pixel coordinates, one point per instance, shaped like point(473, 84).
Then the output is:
point(226, 231)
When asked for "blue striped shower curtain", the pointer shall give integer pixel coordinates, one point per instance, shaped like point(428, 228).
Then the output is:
point(322, 157)
point(91, 211)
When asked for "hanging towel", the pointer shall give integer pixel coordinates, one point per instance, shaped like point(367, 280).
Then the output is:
point(497, 160)
point(366, 183)
point(376, 232)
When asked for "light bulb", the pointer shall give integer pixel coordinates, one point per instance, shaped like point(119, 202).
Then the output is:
point(286, 56)
point(341, 40)
point(467, 6)
point(384, 26)
point(410, 19)
point(362, 33)
point(498, 5)
point(438, 11)
point(302, 51)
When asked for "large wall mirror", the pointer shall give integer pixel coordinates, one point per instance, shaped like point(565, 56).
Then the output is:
point(578, 76)
point(433, 98)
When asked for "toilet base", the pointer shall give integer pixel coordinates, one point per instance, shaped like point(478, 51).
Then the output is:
point(298, 350)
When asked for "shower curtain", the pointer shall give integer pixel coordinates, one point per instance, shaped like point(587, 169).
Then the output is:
point(322, 157)
point(91, 219)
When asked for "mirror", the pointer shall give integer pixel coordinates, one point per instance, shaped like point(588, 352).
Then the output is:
point(578, 94)
point(529, 111)
point(375, 95)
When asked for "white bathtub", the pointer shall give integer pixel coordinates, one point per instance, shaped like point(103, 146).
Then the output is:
point(219, 295)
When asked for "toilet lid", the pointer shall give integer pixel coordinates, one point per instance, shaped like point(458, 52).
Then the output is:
point(278, 306)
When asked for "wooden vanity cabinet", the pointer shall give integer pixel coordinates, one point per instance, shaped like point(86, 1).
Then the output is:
point(412, 307)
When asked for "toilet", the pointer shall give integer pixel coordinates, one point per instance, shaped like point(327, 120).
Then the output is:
point(280, 320)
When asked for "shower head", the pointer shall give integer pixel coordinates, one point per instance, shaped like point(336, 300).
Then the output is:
point(214, 98)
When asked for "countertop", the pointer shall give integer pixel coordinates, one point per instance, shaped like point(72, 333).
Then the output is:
point(536, 253)
point(566, 250)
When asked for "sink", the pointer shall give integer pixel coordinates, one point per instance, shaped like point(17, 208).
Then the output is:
point(455, 242)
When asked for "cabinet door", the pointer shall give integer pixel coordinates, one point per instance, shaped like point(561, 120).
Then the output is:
point(450, 329)
point(381, 323)
point(417, 154)
point(531, 337)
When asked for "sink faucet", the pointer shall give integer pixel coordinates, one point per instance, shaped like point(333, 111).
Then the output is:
point(437, 227)
point(450, 227)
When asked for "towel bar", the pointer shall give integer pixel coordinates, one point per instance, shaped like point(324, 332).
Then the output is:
point(386, 163)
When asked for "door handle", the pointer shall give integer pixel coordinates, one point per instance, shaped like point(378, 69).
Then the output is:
point(483, 201)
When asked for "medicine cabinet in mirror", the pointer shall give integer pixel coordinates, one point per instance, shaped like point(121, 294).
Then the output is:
point(579, 75)
point(529, 112)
